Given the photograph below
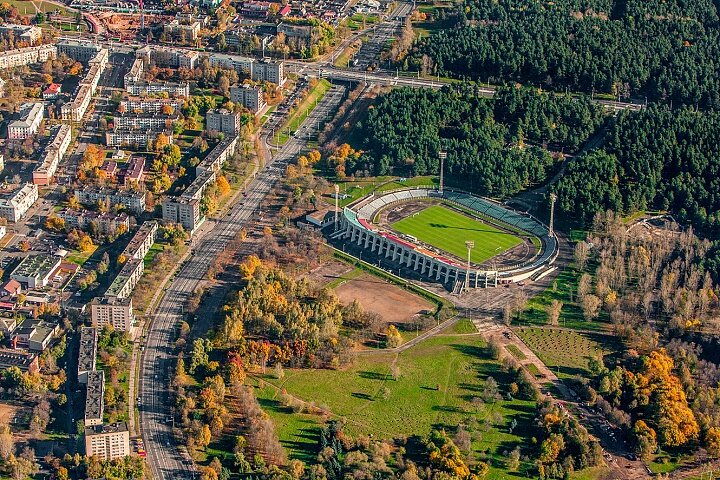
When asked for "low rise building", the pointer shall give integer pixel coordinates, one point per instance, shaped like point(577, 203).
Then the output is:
point(249, 96)
point(134, 172)
point(104, 223)
point(114, 311)
point(74, 110)
point(35, 271)
point(25, 361)
point(34, 335)
point(94, 398)
point(28, 122)
point(125, 281)
point(16, 201)
point(59, 142)
point(52, 91)
point(26, 56)
point(133, 201)
point(142, 241)
point(87, 353)
point(107, 442)
point(218, 155)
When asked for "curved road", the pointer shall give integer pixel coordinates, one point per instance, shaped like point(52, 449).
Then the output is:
point(164, 455)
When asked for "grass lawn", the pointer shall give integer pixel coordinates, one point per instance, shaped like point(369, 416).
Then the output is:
point(78, 257)
point(516, 352)
point(564, 289)
point(448, 230)
point(437, 381)
point(567, 352)
point(306, 106)
point(154, 250)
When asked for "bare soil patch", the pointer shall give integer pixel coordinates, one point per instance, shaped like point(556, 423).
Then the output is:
point(394, 304)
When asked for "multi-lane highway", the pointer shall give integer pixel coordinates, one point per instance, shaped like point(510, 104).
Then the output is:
point(164, 455)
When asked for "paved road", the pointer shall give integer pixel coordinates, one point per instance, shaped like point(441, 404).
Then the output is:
point(164, 457)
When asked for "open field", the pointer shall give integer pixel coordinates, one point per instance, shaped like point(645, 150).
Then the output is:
point(437, 381)
point(567, 352)
point(391, 302)
point(448, 230)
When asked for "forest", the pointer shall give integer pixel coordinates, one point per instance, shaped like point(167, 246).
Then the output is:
point(495, 147)
point(652, 159)
point(666, 51)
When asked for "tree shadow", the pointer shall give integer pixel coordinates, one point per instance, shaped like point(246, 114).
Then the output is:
point(374, 375)
point(362, 396)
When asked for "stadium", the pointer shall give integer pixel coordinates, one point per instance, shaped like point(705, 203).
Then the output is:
point(449, 236)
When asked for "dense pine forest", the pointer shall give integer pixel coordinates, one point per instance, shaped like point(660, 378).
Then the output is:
point(496, 147)
point(663, 50)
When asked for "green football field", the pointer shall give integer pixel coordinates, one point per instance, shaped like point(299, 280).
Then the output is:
point(448, 231)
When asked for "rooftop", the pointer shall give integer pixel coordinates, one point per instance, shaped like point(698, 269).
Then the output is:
point(94, 397)
point(148, 227)
point(107, 428)
point(40, 265)
point(16, 358)
point(28, 114)
point(88, 349)
point(122, 277)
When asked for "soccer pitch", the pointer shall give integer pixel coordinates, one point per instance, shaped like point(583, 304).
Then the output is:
point(448, 231)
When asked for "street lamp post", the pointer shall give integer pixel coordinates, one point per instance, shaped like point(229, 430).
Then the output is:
point(470, 245)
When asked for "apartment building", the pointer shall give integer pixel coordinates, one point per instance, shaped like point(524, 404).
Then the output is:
point(26, 56)
point(257, 70)
point(87, 353)
point(114, 311)
point(150, 105)
point(181, 89)
point(222, 120)
point(133, 138)
point(269, 71)
point(133, 201)
point(218, 155)
point(184, 211)
point(135, 73)
point(27, 33)
point(28, 121)
point(145, 121)
point(75, 110)
point(15, 203)
point(80, 50)
point(54, 152)
point(105, 223)
point(184, 30)
point(94, 398)
point(25, 361)
point(134, 171)
point(125, 281)
point(249, 96)
point(168, 57)
point(107, 442)
point(142, 241)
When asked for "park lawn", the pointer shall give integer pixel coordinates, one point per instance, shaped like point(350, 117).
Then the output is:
point(437, 380)
point(79, 258)
point(307, 105)
point(564, 289)
point(150, 256)
point(448, 230)
point(567, 352)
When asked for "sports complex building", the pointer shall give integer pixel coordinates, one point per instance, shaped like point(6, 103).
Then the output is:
point(449, 236)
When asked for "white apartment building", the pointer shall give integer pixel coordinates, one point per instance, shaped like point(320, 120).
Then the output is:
point(132, 138)
point(249, 96)
point(184, 211)
point(25, 56)
point(144, 122)
point(27, 33)
point(54, 152)
point(31, 115)
point(107, 442)
point(75, 110)
point(80, 50)
point(188, 31)
point(134, 201)
point(149, 105)
point(13, 205)
point(114, 311)
point(135, 73)
point(168, 57)
point(181, 89)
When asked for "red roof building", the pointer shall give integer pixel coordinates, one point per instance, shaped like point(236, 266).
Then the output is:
point(52, 91)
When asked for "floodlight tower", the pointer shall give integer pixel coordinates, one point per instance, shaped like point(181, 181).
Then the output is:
point(553, 198)
point(337, 197)
point(443, 156)
point(470, 245)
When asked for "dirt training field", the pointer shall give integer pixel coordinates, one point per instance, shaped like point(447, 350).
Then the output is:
point(390, 301)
